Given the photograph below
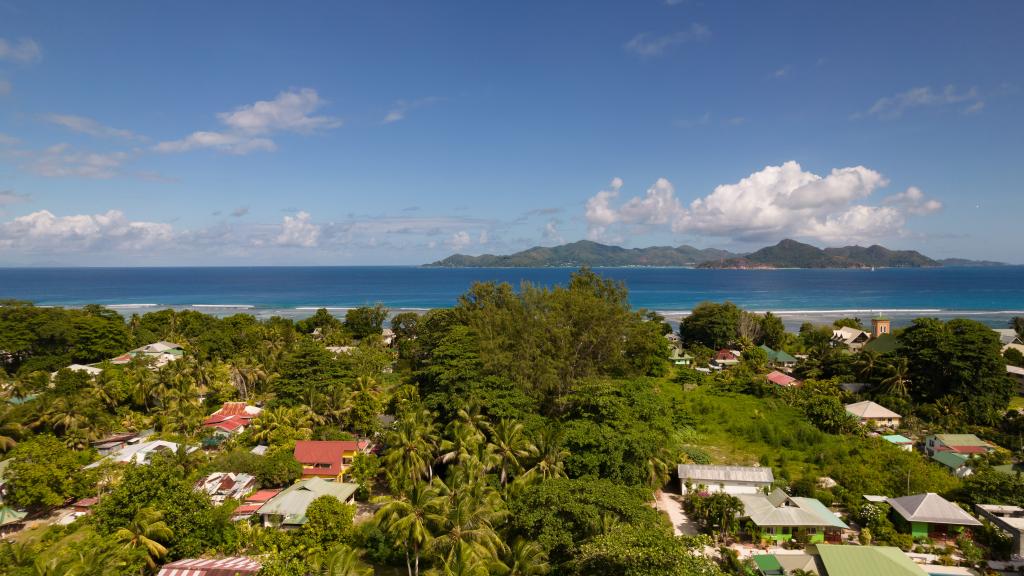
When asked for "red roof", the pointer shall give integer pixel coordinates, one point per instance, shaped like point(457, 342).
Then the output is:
point(233, 566)
point(229, 423)
point(232, 409)
point(246, 509)
point(724, 354)
point(964, 449)
point(263, 495)
point(776, 377)
point(327, 453)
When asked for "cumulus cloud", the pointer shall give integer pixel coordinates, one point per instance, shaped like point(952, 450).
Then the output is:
point(460, 240)
point(550, 232)
point(247, 128)
point(24, 51)
point(298, 231)
point(924, 96)
point(775, 202)
point(89, 126)
point(648, 44)
point(44, 231)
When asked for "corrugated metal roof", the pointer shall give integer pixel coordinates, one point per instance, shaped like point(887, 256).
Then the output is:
point(869, 409)
point(932, 508)
point(292, 502)
point(232, 566)
point(709, 474)
point(842, 560)
point(778, 509)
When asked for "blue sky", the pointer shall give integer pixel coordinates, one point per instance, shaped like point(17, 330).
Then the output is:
point(177, 133)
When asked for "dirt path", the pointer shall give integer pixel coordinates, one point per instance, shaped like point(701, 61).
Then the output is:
point(671, 504)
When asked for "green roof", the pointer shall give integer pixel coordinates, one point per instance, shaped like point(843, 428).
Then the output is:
point(778, 356)
point(9, 515)
point(840, 560)
point(950, 460)
point(768, 564)
point(961, 440)
point(883, 344)
point(897, 439)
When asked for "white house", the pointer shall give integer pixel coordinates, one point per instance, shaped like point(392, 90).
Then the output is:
point(874, 415)
point(728, 479)
point(140, 453)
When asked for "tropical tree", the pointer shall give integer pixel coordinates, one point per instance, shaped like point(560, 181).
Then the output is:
point(344, 560)
point(510, 444)
point(411, 447)
point(146, 530)
point(866, 365)
point(409, 520)
point(550, 455)
point(897, 382)
point(524, 558)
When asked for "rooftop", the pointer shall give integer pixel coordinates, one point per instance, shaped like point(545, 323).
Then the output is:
point(291, 503)
point(780, 509)
point(932, 508)
point(840, 560)
point(870, 410)
point(710, 474)
point(232, 566)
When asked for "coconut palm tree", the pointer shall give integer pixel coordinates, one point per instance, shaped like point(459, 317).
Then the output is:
point(471, 509)
point(510, 445)
point(146, 530)
point(866, 364)
point(465, 560)
point(897, 382)
point(412, 443)
point(409, 519)
point(524, 558)
point(343, 560)
point(550, 455)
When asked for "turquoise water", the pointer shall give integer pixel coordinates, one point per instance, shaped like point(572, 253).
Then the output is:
point(992, 295)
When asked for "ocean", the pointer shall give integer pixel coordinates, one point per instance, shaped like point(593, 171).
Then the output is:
point(991, 295)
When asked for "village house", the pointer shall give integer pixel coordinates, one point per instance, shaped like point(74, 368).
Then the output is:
point(852, 338)
point(929, 515)
point(115, 442)
point(780, 379)
point(140, 453)
point(779, 357)
point(966, 444)
point(956, 463)
point(221, 486)
point(1017, 373)
point(161, 352)
point(874, 415)
point(231, 418)
point(780, 518)
point(1008, 336)
point(680, 359)
point(253, 503)
point(725, 358)
point(728, 479)
point(1009, 519)
point(231, 566)
point(288, 508)
point(328, 458)
point(902, 441)
point(86, 368)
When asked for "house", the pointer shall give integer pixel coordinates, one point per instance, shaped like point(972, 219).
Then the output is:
point(328, 458)
point(231, 566)
point(929, 515)
point(288, 508)
point(780, 518)
point(902, 441)
point(115, 442)
point(780, 379)
point(967, 444)
point(725, 358)
point(839, 560)
point(223, 486)
point(852, 338)
point(1017, 373)
point(1008, 336)
point(231, 418)
point(783, 564)
point(874, 415)
point(11, 520)
point(140, 453)
point(1009, 519)
point(680, 359)
point(728, 479)
point(778, 357)
point(387, 336)
point(84, 506)
point(252, 503)
point(957, 463)
point(90, 370)
point(161, 352)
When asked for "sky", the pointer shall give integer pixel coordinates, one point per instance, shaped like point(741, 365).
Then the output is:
point(361, 133)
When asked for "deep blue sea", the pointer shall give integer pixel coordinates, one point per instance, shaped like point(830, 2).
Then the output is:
point(991, 295)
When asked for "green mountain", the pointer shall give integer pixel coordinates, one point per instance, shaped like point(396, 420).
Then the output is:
point(793, 254)
point(970, 263)
point(587, 253)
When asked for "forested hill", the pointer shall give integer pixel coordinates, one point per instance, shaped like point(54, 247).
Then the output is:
point(587, 253)
point(793, 254)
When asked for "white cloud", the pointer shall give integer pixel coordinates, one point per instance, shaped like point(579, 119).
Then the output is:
point(403, 107)
point(651, 44)
point(89, 126)
point(61, 161)
point(298, 231)
point(782, 72)
point(24, 51)
point(775, 202)
point(895, 106)
point(551, 233)
point(8, 197)
point(460, 240)
point(43, 231)
point(483, 238)
point(248, 127)
point(913, 201)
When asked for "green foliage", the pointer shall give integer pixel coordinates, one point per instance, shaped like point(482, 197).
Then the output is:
point(710, 324)
point(989, 486)
point(366, 320)
point(961, 360)
point(561, 514)
point(849, 323)
point(44, 473)
point(308, 372)
point(646, 550)
point(35, 338)
point(328, 523)
point(278, 467)
point(364, 471)
point(1014, 357)
point(773, 331)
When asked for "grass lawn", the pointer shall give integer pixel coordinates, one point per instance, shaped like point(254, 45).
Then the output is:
point(1017, 403)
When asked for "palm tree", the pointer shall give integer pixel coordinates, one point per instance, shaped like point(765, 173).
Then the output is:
point(897, 382)
point(412, 445)
point(866, 364)
point(524, 558)
point(550, 455)
point(471, 510)
point(409, 520)
point(344, 561)
point(657, 471)
point(510, 444)
point(465, 560)
point(10, 430)
point(146, 530)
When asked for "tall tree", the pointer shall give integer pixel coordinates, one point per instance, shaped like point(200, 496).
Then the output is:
point(148, 531)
